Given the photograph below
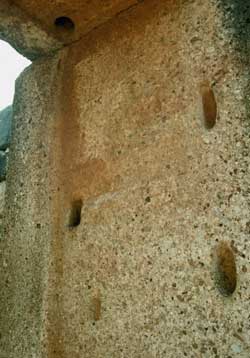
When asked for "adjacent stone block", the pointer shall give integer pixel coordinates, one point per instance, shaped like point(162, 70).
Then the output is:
point(3, 165)
point(5, 127)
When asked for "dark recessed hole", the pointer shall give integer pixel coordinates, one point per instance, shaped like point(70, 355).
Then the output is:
point(225, 273)
point(64, 22)
point(75, 213)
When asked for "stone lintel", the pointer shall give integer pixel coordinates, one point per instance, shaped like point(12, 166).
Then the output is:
point(25, 34)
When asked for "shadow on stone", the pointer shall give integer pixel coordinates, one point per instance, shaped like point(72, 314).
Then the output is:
point(237, 22)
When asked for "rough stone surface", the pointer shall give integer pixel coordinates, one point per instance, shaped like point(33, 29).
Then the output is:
point(24, 33)
point(117, 120)
point(5, 127)
point(85, 14)
point(25, 244)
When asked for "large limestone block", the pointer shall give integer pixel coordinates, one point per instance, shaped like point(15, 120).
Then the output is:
point(26, 235)
point(119, 194)
point(85, 14)
point(25, 33)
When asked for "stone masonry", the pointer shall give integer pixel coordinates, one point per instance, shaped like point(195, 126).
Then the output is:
point(117, 193)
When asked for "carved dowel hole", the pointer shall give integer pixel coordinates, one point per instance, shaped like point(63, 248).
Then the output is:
point(75, 213)
point(64, 23)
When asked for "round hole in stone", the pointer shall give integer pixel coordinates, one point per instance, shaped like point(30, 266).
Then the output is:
point(65, 23)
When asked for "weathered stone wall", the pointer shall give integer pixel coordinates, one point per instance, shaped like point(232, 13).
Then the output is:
point(114, 124)
point(28, 216)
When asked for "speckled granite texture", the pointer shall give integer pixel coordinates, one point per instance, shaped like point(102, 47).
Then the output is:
point(25, 33)
point(116, 125)
point(85, 14)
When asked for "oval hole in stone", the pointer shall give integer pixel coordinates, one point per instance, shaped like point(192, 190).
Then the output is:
point(209, 105)
point(75, 213)
point(65, 23)
point(225, 269)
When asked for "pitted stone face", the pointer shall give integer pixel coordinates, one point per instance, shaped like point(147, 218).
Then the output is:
point(84, 15)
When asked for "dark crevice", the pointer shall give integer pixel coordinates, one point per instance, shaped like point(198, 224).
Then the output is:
point(75, 213)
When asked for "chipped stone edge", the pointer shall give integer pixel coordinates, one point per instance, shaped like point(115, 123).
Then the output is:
point(24, 34)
